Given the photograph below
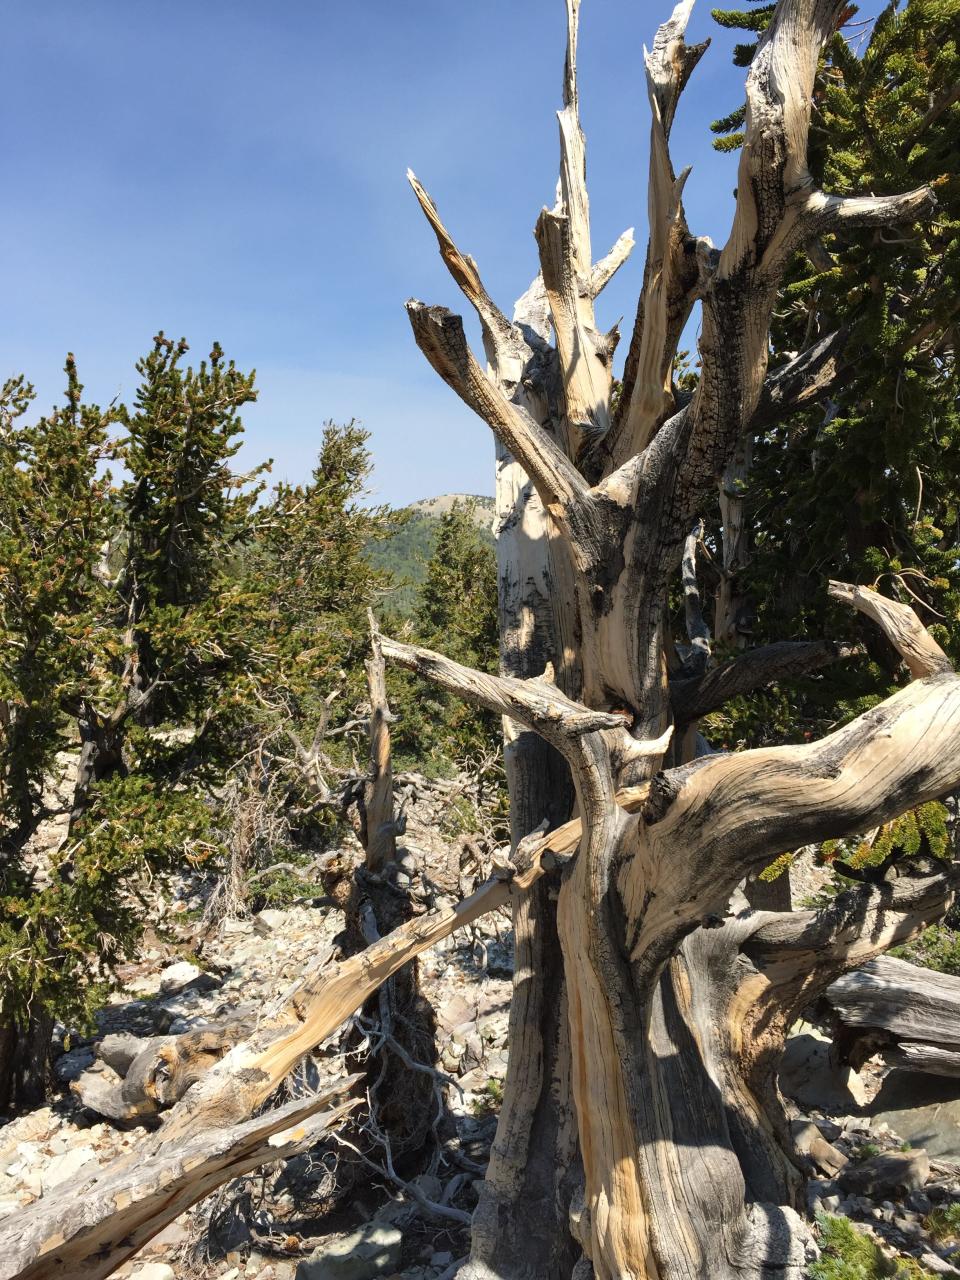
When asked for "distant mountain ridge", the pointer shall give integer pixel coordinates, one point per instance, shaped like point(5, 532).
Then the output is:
point(406, 552)
point(483, 507)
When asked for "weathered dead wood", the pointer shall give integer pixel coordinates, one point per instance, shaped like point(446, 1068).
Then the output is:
point(505, 347)
point(160, 1179)
point(84, 1230)
point(911, 1014)
point(698, 632)
point(566, 268)
point(754, 805)
point(900, 625)
point(931, 1059)
point(635, 907)
point(440, 336)
point(379, 821)
point(672, 273)
point(801, 381)
point(731, 623)
point(536, 702)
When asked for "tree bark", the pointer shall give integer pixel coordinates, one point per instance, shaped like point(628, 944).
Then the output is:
point(24, 1060)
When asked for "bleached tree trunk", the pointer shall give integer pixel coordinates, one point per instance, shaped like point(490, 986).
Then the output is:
point(687, 1165)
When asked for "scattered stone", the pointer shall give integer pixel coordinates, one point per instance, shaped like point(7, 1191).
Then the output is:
point(939, 1266)
point(810, 1076)
point(154, 1271)
point(373, 1250)
point(271, 917)
point(119, 1050)
point(71, 1066)
point(175, 976)
point(896, 1172)
point(923, 1109)
point(810, 1142)
point(60, 1168)
point(919, 1202)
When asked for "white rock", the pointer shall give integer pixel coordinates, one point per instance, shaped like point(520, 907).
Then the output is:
point(154, 1271)
point(372, 1250)
point(178, 975)
point(63, 1167)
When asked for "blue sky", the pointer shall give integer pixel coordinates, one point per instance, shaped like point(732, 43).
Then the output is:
point(233, 169)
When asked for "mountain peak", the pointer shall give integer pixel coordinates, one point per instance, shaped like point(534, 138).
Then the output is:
point(483, 506)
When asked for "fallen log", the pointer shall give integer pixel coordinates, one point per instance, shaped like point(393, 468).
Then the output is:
point(85, 1230)
point(246, 1075)
point(909, 1014)
point(207, 1139)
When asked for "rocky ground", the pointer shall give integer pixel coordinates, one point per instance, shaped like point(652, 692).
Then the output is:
point(262, 1226)
point(886, 1146)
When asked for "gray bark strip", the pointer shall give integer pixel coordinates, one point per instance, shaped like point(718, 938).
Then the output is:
point(693, 697)
point(378, 812)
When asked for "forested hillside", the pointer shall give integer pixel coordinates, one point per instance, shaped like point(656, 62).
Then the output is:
point(405, 553)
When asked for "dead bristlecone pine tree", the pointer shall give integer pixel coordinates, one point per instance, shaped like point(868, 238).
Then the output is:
point(642, 1134)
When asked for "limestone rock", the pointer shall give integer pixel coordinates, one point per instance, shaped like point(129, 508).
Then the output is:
point(938, 1266)
point(154, 1271)
point(810, 1142)
point(71, 1066)
point(373, 1250)
point(119, 1050)
point(175, 976)
point(894, 1172)
point(61, 1168)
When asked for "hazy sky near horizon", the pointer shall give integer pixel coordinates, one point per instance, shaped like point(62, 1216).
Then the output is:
point(232, 170)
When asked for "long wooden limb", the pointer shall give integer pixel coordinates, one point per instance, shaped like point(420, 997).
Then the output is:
point(440, 336)
point(505, 347)
point(749, 978)
point(801, 381)
point(698, 633)
point(778, 210)
point(907, 1012)
point(735, 544)
point(566, 266)
point(838, 213)
point(900, 625)
point(673, 265)
point(748, 807)
point(857, 926)
point(535, 702)
point(694, 697)
point(754, 805)
point(85, 1230)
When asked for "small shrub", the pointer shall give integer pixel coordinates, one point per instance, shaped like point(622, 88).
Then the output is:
point(848, 1254)
point(944, 1223)
point(489, 1103)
